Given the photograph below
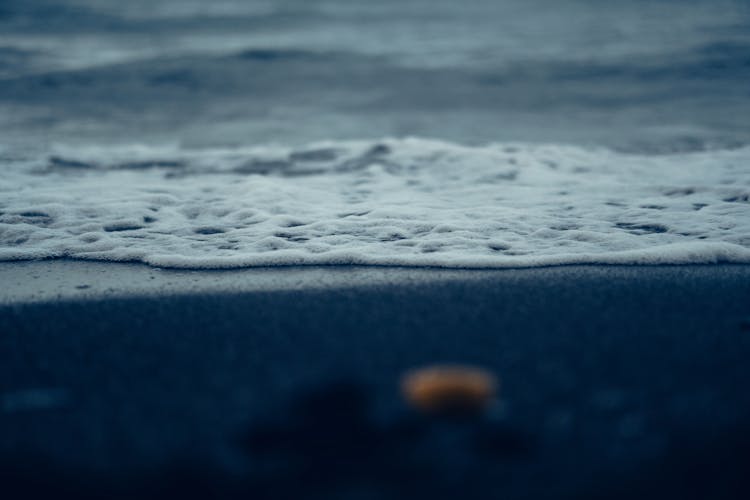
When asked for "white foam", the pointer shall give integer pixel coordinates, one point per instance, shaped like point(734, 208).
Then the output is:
point(409, 202)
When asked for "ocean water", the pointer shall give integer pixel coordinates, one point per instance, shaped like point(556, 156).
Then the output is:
point(429, 133)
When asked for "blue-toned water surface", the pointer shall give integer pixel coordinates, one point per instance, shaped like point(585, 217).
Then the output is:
point(427, 133)
point(651, 76)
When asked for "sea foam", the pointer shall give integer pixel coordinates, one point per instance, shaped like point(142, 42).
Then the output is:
point(412, 202)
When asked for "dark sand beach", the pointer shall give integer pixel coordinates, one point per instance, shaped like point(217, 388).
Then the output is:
point(616, 382)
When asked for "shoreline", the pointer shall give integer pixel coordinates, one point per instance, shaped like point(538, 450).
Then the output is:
point(75, 279)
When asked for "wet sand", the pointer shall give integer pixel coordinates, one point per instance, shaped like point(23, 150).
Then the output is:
point(616, 381)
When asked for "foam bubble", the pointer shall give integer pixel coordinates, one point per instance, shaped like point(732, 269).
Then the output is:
point(409, 202)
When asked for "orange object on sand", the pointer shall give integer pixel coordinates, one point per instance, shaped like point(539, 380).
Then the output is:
point(449, 388)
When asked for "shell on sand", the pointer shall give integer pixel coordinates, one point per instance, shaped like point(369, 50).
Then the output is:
point(449, 388)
